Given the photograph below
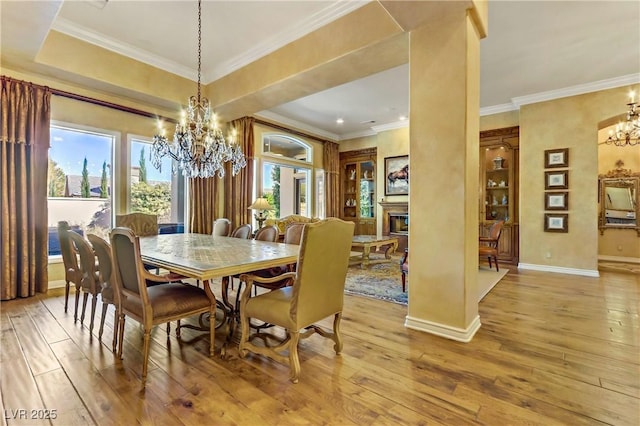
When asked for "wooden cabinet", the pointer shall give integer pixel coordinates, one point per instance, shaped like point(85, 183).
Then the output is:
point(499, 182)
point(358, 189)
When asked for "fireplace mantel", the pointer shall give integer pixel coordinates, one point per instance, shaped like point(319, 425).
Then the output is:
point(390, 208)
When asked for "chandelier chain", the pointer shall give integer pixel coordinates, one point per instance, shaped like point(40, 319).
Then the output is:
point(199, 44)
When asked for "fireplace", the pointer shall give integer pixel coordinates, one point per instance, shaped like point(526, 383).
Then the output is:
point(395, 222)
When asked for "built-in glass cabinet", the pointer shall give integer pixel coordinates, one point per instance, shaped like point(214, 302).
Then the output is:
point(358, 189)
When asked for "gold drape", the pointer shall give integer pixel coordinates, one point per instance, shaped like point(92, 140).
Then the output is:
point(24, 135)
point(331, 161)
point(238, 190)
point(202, 199)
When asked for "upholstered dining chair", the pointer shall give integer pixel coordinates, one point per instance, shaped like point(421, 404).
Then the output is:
point(109, 295)
point(90, 282)
point(72, 273)
point(221, 227)
point(242, 231)
point(142, 224)
point(489, 245)
point(317, 292)
point(153, 305)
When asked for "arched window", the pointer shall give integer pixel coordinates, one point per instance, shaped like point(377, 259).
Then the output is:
point(286, 147)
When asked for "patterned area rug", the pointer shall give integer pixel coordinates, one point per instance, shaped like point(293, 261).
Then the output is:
point(383, 281)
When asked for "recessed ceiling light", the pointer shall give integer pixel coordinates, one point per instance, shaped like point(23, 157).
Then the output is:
point(402, 117)
point(339, 121)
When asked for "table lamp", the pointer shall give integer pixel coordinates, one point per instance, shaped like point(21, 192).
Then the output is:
point(260, 205)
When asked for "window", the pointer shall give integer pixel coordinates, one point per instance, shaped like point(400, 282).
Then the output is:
point(286, 189)
point(80, 181)
point(155, 191)
point(286, 147)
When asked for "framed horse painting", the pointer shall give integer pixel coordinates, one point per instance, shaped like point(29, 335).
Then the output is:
point(396, 172)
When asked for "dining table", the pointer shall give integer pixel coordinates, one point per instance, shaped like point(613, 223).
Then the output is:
point(203, 257)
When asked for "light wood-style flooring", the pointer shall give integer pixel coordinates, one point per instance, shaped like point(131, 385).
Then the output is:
point(552, 349)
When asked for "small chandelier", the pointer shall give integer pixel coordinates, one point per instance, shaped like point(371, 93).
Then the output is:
point(198, 147)
point(627, 133)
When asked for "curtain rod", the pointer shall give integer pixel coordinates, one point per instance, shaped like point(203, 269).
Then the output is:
point(111, 105)
point(285, 129)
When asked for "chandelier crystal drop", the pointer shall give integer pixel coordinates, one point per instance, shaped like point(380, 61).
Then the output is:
point(627, 133)
point(199, 147)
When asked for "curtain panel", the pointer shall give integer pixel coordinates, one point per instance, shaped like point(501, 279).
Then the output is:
point(202, 204)
point(24, 138)
point(331, 164)
point(238, 190)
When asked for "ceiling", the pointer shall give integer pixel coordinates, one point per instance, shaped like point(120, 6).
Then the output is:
point(535, 50)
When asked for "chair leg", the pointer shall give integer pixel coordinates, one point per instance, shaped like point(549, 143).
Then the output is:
point(75, 312)
point(404, 282)
point(495, 259)
point(94, 302)
point(145, 352)
point(120, 334)
point(84, 305)
point(178, 327)
point(336, 333)
point(294, 361)
point(114, 344)
point(66, 297)
point(102, 317)
point(489, 261)
point(212, 331)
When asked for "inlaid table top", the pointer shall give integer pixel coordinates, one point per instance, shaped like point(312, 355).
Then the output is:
point(204, 257)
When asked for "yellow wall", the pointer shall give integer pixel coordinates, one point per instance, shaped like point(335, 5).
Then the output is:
point(572, 123)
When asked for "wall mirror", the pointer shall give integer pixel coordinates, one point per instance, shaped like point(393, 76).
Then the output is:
point(619, 206)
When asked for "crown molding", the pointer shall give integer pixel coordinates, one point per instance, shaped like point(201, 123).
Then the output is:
point(272, 116)
point(271, 44)
point(579, 89)
point(358, 134)
point(391, 126)
point(498, 109)
point(90, 36)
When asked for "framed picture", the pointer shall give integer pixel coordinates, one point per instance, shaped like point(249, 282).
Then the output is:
point(556, 158)
point(556, 180)
point(396, 172)
point(556, 201)
point(556, 222)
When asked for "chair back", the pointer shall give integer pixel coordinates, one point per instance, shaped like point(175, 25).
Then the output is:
point(69, 257)
point(293, 233)
point(267, 233)
point(318, 290)
point(221, 227)
point(87, 262)
point(127, 265)
point(243, 232)
point(102, 250)
point(495, 231)
point(142, 224)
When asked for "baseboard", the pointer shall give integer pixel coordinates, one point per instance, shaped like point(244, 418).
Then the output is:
point(620, 259)
point(559, 270)
point(57, 284)
point(446, 331)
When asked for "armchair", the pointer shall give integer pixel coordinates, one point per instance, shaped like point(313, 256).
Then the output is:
point(489, 245)
point(317, 292)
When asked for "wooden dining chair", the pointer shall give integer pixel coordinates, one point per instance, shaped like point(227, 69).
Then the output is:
point(152, 305)
point(221, 227)
point(317, 292)
point(108, 294)
point(72, 273)
point(242, 231)
point(489, 245)
point(90, 282)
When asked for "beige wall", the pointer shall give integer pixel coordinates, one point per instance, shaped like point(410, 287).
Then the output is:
point(572, 123)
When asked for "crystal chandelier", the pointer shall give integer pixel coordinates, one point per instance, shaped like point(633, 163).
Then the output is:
point(627, 133)
point(198, 147)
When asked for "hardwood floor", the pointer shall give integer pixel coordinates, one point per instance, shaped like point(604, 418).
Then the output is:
point(552, 349)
